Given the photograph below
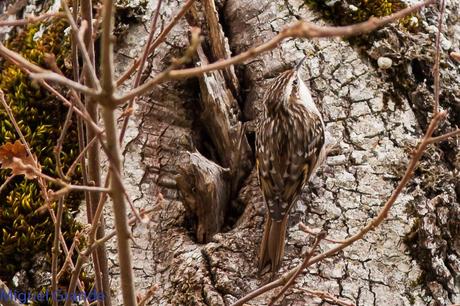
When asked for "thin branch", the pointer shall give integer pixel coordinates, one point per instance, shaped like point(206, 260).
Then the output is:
point(40, 180)
point(58, 148)
point(80, 156)
point(326, 296)
point(68, 258)
point(267, 287)
point(55, 249)
point(78, 34)
point(300, 29)
point(148, 295)
point(18, 129)
point(107, 48)
point(157, 41)
point(100, 260)
point(79, 110)
point(131, 222)
point(300, 269)
point(98, 212)
point(6, 182)
point(308, 230)
point(144, 57)
point(63, 191)
point(108, 103)
point(437, 57)
point(443, 137)
point(7, 301)
point(39, 73)
point(83, 256)
point(74, 278)
point(54, 77)
point(30, 19)
point(61, 237)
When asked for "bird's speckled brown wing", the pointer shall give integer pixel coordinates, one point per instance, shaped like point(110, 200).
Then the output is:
point(287, 147)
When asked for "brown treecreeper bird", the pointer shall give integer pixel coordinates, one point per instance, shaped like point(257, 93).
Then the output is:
point(289, 148)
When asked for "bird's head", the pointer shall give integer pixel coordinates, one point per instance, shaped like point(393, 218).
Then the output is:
point(286, 88)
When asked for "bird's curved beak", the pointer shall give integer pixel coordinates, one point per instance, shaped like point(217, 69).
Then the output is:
point(300, 63)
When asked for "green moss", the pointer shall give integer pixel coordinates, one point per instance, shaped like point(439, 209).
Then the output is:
point(25, 231)
point(354, 11)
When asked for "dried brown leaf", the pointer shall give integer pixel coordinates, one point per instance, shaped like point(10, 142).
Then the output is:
point(14, 156)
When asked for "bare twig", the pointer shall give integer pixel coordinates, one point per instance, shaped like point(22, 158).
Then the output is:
point(39, 73)
point(106, 100)
point(443, 137)
point(68, 259)
point(326, 296)
point(34, 168)
point(55, 249)
point(6, 182)
point(148, 295)
point(7, 301)
point(69, 188)
point(98, 212)
point(80, 156)
point(60, 142)
point(144, 57)
point(308, 230)
point(54, 77)
point(83, 256)
point(78, 34)
point(300, 29)
point(300, 269)
point(30, 19)
point(437, 58)
point(94, 170)
point(17, 128)
point(157, 41)
point(79, 110)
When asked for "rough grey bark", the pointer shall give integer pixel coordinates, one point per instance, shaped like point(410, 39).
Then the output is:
point(204, 192)
point(373, 126)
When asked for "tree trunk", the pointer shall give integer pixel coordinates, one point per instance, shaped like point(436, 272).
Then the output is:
point(189, 157)
point(369, 118)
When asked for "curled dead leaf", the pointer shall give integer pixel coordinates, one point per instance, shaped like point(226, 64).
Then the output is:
point(14, 156)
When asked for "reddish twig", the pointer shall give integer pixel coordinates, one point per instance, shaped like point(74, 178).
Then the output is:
point(326, 296)
point(80, 157)
point(8, 301)
point(443, 137)
point(6, 182)
point(157, 41)
point(437, 57)
point(144, 57)
point(78, 34)
point(55, 249)
point(30, 19)
point(301, 29)
point(308, 230)
point(300, 269)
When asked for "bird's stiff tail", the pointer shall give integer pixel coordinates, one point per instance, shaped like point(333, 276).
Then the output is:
point(273, 241)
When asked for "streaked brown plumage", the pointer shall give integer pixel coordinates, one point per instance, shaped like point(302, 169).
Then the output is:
point(289, 148)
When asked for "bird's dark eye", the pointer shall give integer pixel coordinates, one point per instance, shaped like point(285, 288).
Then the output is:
point(295, 82)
